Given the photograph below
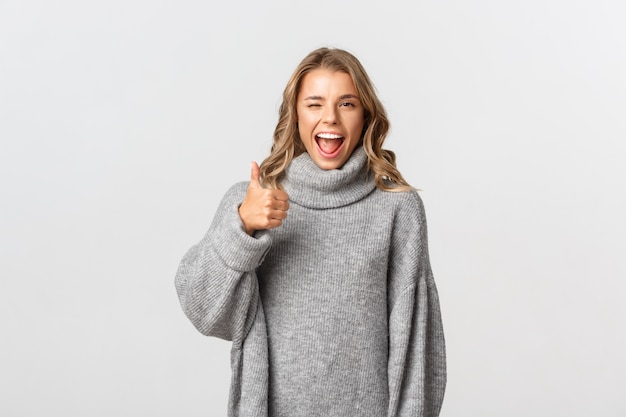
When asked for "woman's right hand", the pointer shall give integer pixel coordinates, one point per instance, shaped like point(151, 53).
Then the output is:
point(262, 208)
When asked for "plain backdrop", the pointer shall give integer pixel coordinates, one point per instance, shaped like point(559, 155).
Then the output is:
point(122, 123)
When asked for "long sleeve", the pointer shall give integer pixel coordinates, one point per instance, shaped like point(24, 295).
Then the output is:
point(216, 283)
point(417, 359)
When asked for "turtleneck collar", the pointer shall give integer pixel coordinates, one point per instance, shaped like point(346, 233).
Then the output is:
point(310, 186)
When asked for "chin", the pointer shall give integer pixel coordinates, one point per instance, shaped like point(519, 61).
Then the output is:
point(327, 165)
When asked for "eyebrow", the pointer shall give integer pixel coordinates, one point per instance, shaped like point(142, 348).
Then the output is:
point(342, 97)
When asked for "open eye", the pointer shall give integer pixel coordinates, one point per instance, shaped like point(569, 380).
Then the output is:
point(347, 104)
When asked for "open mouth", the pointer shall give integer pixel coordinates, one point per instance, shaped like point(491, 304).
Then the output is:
point(329, 144)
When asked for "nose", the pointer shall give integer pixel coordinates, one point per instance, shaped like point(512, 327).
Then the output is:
point(330, 115)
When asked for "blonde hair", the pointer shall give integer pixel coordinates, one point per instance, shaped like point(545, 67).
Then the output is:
point(288, 145)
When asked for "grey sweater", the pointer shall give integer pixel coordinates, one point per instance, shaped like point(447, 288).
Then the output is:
point(334, 313)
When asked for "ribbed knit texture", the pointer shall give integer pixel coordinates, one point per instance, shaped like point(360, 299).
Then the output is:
point(334, 313)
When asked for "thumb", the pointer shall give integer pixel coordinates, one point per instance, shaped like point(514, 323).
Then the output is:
point(255, 175)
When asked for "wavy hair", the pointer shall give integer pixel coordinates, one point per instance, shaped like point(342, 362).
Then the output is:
point(288, 145)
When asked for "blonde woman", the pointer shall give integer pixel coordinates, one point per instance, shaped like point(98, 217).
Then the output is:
point(317, 268)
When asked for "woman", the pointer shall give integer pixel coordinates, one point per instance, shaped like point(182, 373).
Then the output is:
point(317, 269)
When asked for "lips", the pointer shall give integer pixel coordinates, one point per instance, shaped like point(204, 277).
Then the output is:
point(329, 144)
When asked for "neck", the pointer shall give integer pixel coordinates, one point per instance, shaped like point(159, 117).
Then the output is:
point(310, 186)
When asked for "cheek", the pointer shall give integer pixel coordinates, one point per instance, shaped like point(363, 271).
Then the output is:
point(305, 118)
point(303, 135)
point(301, 121)
point(300, 125)
point(306, 125)
point(301, 128)
point(358, 126)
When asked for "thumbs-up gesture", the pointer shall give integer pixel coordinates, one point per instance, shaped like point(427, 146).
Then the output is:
point(262, 208)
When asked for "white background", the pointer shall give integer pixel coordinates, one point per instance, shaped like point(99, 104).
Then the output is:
point(122, 123)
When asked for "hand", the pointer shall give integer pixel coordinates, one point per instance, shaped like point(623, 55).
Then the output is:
point(262, 208)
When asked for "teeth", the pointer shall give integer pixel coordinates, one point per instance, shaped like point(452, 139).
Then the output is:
point(329, 136)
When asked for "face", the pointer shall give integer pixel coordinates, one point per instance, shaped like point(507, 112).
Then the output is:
point(330, 117)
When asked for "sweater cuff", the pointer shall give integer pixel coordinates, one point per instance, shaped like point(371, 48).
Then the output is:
point(237, 249)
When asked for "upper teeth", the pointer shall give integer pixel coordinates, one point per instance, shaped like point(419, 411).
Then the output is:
point(329, 136)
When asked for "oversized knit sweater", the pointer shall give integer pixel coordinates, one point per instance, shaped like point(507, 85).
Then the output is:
point(335, 312)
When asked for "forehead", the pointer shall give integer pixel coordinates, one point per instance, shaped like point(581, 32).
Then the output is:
point(323, 82)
